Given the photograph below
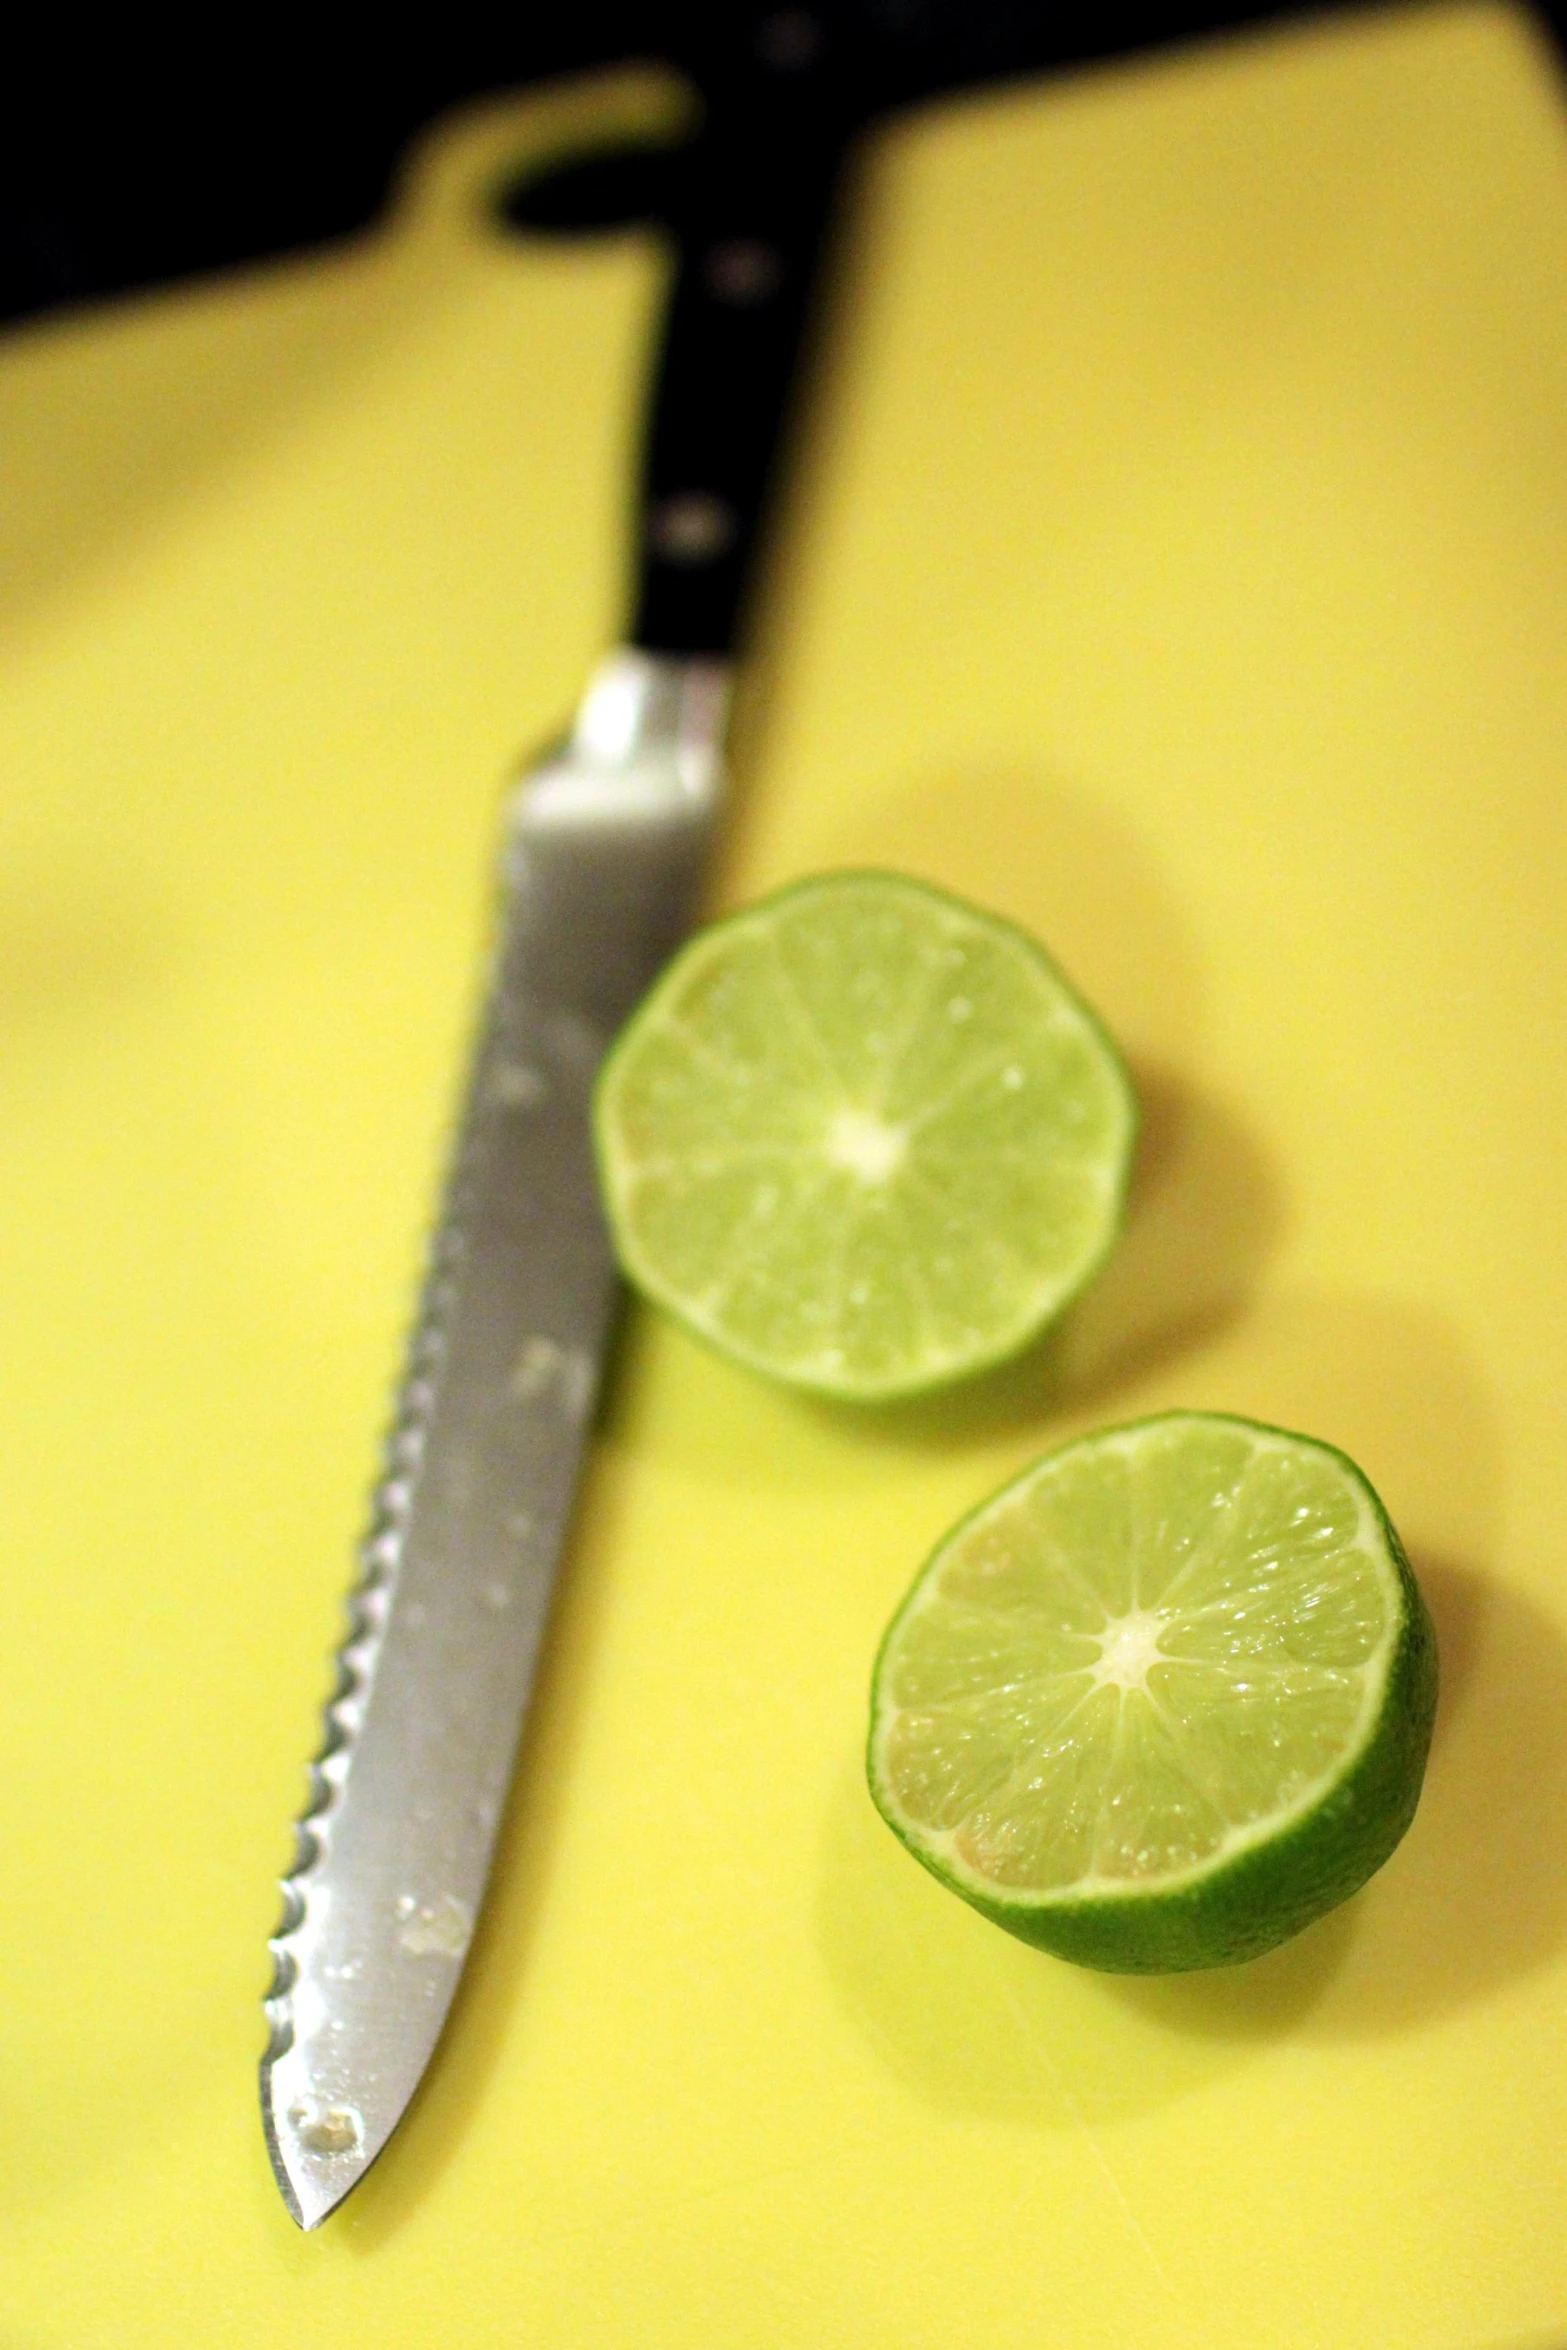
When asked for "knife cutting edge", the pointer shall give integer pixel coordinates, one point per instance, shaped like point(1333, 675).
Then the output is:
point(604, 843)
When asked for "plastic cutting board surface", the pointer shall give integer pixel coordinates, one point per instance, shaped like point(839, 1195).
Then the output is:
point(1177, 562)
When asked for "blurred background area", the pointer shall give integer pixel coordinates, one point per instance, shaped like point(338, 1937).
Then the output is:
point(134, 152)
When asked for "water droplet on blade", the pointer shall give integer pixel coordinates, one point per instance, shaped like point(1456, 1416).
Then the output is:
point(435, 1929)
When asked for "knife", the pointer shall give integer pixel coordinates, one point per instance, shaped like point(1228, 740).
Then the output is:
point(603, 846)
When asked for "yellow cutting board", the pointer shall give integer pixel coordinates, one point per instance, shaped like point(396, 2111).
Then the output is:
point(1178, 563)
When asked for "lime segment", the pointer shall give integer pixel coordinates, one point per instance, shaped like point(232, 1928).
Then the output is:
point(1164, 1699)
point(864, 1137)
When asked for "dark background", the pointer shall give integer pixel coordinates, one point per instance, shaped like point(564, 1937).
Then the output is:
point(133, 153)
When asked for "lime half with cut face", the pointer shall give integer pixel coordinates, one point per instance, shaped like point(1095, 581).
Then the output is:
point(1163, 1700)
point(864, 1137)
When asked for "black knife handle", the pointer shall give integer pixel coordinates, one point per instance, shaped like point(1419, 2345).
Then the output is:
point(751, 203)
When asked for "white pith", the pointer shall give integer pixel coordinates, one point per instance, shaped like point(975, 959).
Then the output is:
point(865, 1145)
point(1128, 1648)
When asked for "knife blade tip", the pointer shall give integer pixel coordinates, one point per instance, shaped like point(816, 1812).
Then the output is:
point(318, 2150)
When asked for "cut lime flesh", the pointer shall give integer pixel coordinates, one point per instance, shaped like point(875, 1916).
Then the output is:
point(864, 1137)
point(1164, 1699)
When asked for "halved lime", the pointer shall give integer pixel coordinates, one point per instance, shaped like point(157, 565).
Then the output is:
point(1161, 1701)
point(864, 1137)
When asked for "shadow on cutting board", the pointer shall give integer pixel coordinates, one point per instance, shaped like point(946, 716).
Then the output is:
point(1202, 1221)
point(74, 941)
point(1465, 1904)
point(1475, 1895)
point(976, 2020)
point(1203, 1216)
point(1206, 1207)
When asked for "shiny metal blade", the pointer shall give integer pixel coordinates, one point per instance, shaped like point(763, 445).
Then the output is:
point(604, 843)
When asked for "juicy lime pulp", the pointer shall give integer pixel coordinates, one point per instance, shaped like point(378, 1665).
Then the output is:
point(864, 1137)
point(1162, 1700)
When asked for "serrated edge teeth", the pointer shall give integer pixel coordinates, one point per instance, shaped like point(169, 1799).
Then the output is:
point(368, 1606)
point(328, 1768)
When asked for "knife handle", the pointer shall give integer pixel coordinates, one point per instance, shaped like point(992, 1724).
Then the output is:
point(748, 204)
point(751, 203)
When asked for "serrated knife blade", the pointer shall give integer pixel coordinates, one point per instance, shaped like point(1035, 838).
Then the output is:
point(603, 845)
